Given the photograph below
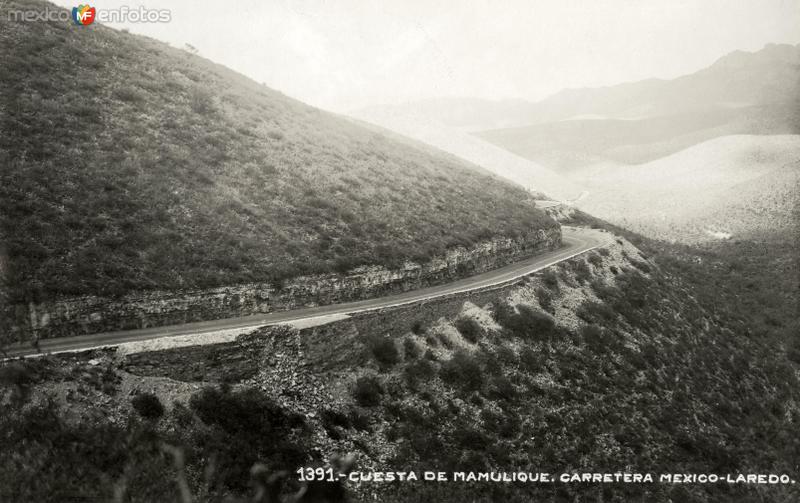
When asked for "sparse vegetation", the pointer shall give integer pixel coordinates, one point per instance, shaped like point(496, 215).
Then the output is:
point(219, 169)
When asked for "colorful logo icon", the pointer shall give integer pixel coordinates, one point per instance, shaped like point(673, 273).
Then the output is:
point(83, 15)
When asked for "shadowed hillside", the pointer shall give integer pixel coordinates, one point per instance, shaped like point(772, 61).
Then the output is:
point(128, 164)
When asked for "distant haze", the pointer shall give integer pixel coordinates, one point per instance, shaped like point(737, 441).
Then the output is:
point(346, 54)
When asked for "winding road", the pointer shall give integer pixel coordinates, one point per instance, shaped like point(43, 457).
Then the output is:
point(575, 241)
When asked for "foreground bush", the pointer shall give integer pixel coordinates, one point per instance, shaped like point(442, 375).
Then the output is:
point(368, 391)
point(469, 328)
point(148, 406)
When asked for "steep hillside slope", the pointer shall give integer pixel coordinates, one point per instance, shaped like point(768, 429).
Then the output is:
point(607, 363)
point(742, 93)
point(126, 164)
point(734, 185)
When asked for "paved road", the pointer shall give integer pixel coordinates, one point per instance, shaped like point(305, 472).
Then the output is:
point(575, 240)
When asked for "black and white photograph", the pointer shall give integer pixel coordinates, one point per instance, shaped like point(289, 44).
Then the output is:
point(400, 251)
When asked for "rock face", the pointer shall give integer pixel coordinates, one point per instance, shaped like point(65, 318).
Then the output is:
point(560, 212)
point(90, 314)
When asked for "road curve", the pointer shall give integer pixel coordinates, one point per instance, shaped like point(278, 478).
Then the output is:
point(575, 241)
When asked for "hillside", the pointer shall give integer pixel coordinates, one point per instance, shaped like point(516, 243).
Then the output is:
point(130, 165)
point(741, 93)
point(615, 361)
point(735, 185)
point(422, 126)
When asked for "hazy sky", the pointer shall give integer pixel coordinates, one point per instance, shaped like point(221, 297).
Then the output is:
point(344, 54)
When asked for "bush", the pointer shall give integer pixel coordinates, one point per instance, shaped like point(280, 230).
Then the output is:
point(545, 299)
point(550, 279)
point(419, 371)
point(500, 388)
point(368, 391)
point(530, 359)
point(410, 348)
point(462, 370)
point(384, 350)
point(596, 312)
point(417, 328)
point(595, 259)
point(582, 271)
point(593, 337)
point(148, 406)
point(358, 419)
point(201, 101)
point(529, 323)
point(469, 328)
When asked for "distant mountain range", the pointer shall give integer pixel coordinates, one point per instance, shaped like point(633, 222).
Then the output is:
point(736, 80)
point(741, 93)
point(579, 140)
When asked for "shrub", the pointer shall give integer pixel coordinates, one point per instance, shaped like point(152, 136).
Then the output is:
point(358, 419)
point(417, 328)
point(545, 299)
point(384, 350)
point(462, 370)
point(506, 355)
point(368, 391)
point(582, 271)
point(595, 259)
point(593, 337)
point(503, 312)
point(201, 101)
point(469, 328)
point(530, 359)
point(500, 388)
point(333, 417)
point(148, 406)
point(419, 371)
point(529, 323)
point(129, 95)
point(550, 279)
point(410, 348)
point(604, 252)
point(595, 312)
